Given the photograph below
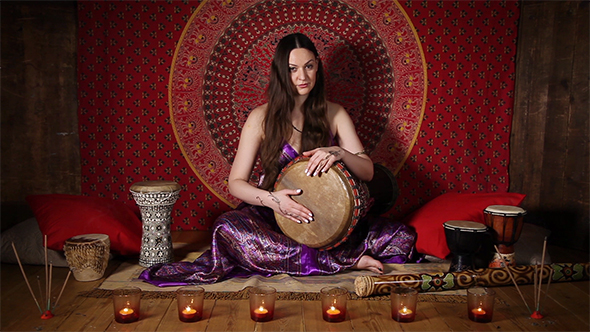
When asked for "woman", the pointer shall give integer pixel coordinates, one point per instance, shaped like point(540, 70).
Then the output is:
point(297, 118)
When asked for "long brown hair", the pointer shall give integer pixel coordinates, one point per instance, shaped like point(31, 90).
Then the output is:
point(281, 101)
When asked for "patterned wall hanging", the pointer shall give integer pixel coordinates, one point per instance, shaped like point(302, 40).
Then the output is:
point(128, 75)
point(373, 61)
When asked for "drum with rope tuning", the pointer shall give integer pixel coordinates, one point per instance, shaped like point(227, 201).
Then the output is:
point(337, 199)
point(505, 222)
point(88, 255)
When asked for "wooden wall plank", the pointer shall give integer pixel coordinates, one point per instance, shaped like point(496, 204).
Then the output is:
point(557, 118)
point(530, 104)
point(39, 137)
point(549, 142)
point(577, 164)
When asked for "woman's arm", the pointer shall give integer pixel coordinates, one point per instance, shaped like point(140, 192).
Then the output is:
point(239, 176)
point(349, 149)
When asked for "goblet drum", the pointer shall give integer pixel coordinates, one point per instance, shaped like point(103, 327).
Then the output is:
point(155, 200)
point(505, 222)
point(464, 239)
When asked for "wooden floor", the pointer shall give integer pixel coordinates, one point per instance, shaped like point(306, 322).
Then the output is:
point(566, 304)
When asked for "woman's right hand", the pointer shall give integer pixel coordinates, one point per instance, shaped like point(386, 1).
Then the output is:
point(283, 204)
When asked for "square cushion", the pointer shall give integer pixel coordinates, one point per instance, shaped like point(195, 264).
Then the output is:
point(61, 217)
point(428, 220)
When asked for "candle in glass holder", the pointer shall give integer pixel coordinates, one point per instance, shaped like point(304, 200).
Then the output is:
point(262, 303)
point(190, 303)
point(126, 302)
point(333, 303)
point(403, 304)
point(480, 304)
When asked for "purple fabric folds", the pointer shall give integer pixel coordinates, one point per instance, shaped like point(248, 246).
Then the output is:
point(247, 241)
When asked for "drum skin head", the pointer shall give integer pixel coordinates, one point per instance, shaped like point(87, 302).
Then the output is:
point(465, 226)
point(155, 186)
point(327, 195)
point(505, 210)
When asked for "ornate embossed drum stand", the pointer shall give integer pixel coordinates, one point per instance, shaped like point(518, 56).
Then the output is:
point(506, 223)
point(155, 200)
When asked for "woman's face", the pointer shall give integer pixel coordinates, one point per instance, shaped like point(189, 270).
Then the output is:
point(303, 67)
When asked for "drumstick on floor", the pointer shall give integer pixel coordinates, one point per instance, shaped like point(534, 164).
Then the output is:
point(512, 278)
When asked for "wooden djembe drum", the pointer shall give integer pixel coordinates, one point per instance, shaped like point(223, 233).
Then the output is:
point(337, 199)
point(155, 200)
point(464, 239)
point(505, 222)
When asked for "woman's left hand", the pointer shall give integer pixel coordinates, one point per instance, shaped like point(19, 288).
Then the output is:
point(321, 159)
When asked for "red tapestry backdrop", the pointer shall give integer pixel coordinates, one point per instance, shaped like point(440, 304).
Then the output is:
point(128, 74)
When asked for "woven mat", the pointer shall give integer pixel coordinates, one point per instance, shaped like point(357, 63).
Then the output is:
point(288, 287)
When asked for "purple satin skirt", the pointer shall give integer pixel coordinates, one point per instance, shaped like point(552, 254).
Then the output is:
point(247, 241)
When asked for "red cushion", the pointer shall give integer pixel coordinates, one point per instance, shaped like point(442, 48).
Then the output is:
point(429, 219)
point(61, 217)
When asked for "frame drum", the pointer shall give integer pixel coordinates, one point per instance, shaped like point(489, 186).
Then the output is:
point(337, 200)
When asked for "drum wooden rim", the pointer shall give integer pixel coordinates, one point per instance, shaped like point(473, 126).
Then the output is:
point(330, 198)
point(155, 186)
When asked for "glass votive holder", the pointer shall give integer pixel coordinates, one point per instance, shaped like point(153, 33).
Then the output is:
point(403, 304)
point(190, 303)
point(126, 302)
point(262, 303)
point(334, 303)
point(480, 304)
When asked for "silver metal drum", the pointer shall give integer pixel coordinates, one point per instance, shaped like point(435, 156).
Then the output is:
point(155, 200)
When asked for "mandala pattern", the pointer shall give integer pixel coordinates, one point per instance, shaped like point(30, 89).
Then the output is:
point(372, 59)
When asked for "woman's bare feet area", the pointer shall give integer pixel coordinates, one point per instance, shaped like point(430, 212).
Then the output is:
point(369, 263)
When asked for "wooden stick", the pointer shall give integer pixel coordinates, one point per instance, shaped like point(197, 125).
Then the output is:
point(535, 283)
point(46, 270)
point(538, 304)
point(62, 289)
point(49, 290)
point(41, 299)
point(512, 278)
point(25, 276)
point(548, 283)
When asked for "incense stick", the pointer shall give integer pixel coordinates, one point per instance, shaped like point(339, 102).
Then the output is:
point(41, 299)
point(46, 270)
point(548, 283)
point(512, 278)
point(62, 289)
point(537, 305)
point(535, 283)
point(25, 276)
point(49, 288)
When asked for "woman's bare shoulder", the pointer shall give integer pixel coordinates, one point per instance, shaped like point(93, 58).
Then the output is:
point(257, 115)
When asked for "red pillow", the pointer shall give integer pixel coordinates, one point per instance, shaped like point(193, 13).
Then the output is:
point(61, 217)
point(429, 219)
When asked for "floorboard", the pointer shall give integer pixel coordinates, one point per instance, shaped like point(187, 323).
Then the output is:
point(566, 306)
